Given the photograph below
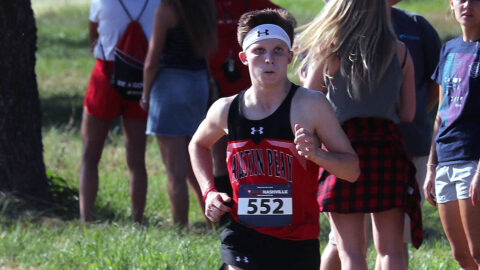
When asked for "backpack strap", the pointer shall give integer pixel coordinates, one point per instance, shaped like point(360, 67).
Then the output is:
point(143, 9)
point(128, 13)
point(105, 67)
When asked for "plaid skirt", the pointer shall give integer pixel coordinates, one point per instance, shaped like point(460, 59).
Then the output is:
point(387, 178)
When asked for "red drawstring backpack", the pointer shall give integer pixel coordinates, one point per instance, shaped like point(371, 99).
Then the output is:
point(130, 53)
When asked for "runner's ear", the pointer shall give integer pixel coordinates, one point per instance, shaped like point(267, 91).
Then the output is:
point(243, 57)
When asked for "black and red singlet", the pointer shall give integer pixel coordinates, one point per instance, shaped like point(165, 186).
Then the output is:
point(274, 188)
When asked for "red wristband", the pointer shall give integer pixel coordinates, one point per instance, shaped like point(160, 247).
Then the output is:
point(210, 188)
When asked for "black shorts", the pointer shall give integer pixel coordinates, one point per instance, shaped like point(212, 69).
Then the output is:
point(245, 248)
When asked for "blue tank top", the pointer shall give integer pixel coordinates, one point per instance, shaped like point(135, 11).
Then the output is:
point(178, 51)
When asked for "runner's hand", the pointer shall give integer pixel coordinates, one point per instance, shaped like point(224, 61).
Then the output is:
point(215, 205)
point(305, 143)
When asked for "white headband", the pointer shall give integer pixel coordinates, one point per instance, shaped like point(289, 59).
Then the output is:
point(265, 31)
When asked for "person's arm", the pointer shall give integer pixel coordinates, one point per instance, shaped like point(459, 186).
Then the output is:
point(92, 34)
point(432, 95)
point(313, 79)
point(93, 20)
point(432, 163)
point(406, 110)
point(212, 128)
point(340, 159)
point(475, 187)
point(165, 18)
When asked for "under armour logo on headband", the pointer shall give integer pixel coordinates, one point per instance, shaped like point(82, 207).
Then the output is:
point(260, 33)
point(266, 31)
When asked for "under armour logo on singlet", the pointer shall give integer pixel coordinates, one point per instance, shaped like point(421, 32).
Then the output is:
point(260, 33)
point(245, 259)
point(254, 130)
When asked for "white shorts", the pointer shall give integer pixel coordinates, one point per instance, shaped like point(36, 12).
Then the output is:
point(452, 182)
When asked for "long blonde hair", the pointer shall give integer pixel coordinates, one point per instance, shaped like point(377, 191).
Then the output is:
point(358, 32)
point(199, 19)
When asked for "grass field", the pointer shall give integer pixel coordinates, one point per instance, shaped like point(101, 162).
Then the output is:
point(32, 240)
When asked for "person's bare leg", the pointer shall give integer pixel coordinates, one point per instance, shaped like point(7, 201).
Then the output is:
point(94, 131)
point(420, 166)
point(351, 240)
point(330, 258)
point(388, 238)
point(135, 141)
point(450, 216)
point(175, 157)
point(471, 223)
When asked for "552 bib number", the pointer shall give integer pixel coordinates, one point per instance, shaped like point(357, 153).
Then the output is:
point(265, 205)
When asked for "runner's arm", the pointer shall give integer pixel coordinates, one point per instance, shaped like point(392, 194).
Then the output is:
point(212, 128)
point(340, 159)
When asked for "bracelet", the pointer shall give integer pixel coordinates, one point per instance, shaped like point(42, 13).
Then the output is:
point(210, 188)
point(477, 171)
point(431, 164)
point(144, 100)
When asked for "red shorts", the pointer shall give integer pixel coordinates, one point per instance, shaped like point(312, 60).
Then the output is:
point(103, 101)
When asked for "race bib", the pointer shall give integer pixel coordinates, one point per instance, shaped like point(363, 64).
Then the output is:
point(267, 205)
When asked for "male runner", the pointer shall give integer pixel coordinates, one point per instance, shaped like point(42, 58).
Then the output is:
point(275, 131)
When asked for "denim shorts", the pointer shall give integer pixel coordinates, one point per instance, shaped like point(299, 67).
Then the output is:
point(452, 181)
point(178, 102)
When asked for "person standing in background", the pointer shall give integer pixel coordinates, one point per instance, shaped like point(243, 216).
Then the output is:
point(102, 104)
point(176, 92)
point(424, 46)
point(453, 176)
point(352, 55)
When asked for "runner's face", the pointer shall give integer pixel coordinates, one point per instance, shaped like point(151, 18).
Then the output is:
point(467, 12)
point(267, 60)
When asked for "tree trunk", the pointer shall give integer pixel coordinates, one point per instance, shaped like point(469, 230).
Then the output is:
point(22, 170)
